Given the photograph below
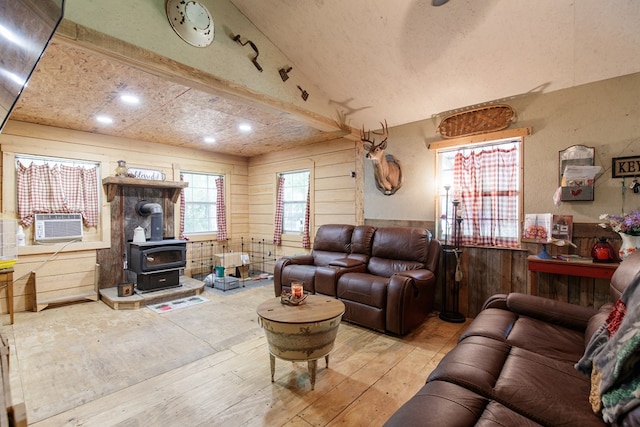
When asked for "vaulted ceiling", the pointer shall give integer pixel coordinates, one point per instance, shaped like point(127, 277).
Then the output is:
point(402, 61)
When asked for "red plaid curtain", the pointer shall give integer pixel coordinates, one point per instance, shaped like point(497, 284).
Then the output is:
point(306, 239)
point(183, 209)
point(221, 212)
point(486, 183)
point(57, 189)
point(277, 221)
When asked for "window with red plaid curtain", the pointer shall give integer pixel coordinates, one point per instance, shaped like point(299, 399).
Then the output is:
point(277, 221)
point(221, 211)
point(47, 188)
point(486, 181)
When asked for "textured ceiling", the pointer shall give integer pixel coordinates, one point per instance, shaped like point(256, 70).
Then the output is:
point(70, 87)
point(406, 60)
point(402, 61)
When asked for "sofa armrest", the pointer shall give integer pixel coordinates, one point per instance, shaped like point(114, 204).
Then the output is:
point(300, 259)
point(410, 297)
point(284, 261)
point(421, 277)
point(558, 312)
point(346, 263)
point(496, 301)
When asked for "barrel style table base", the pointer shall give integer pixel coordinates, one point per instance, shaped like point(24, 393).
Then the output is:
point(301, 333)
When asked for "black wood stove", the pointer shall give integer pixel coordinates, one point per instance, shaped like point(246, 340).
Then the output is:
point(155, 265)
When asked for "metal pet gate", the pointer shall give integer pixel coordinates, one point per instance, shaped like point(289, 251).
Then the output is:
point(253, 258)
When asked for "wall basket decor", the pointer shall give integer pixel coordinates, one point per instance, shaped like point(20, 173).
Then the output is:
point(491, 118)
point(576, 173)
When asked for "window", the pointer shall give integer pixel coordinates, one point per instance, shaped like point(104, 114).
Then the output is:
point(200, 203)
point(294, 201)
point(56, 185)
point(485, 179)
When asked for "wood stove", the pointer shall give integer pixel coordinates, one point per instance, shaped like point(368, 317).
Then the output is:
point(154, 265)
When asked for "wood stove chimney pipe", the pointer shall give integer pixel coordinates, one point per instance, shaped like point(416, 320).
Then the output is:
point(145, 208)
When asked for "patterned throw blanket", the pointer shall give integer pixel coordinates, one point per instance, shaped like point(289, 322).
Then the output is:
point(612, 359)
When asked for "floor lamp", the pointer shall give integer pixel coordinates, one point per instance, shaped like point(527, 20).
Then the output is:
point(448, 250)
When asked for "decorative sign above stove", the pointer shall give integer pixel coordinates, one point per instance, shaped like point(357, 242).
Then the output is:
point(152, 174)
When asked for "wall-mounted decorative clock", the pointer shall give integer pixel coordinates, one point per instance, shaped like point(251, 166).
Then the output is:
point(191, 21)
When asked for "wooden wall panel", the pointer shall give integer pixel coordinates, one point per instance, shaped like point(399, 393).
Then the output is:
point(488, 271)
point(68, 276)
point(26, 138)
point(334, 190)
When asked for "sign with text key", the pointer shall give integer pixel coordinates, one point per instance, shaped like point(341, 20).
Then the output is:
point(622, 167)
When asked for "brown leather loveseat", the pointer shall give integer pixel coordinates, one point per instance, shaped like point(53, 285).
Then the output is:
point(517, 364)
point(385, 276)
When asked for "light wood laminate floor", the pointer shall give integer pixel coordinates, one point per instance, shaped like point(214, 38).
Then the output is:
point(207, 365)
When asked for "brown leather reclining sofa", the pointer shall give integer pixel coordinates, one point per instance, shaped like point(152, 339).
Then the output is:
point(385, 276)
point(515, 365)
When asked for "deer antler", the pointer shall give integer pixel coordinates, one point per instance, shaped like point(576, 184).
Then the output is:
point(385, 130)
point(365, 137)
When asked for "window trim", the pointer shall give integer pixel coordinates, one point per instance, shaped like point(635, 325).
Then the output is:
point(474, 141)
point(289, 239)
point(204, 235)
point(102, 237)
point(289, 232)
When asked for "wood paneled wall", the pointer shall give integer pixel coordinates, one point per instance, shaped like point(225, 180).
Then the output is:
point(71, 274)
point(251, 187)
point(488, 271)
point(333, 195)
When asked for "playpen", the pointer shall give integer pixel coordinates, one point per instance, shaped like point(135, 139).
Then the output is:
point(241, 258)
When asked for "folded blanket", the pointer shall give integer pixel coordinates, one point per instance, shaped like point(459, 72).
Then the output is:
point(612, 358)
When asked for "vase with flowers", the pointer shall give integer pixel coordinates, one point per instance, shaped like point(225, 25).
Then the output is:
point(628, 227)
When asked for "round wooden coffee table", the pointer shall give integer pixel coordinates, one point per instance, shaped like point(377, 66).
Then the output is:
point(304, 332)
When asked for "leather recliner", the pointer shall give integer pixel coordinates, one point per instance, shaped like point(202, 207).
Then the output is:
point(332, 241)
point(385, 276)
point(396, 291)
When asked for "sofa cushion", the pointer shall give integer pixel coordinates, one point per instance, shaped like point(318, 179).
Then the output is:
point(439, 403)
point(475, 363)
point(398, 249)
point(491, 322)
point(363, 288)
point(551, 340)
point(361, 241)
point(299, 273)
point(547, 390)
point(544, 389)
point(547, 339)
point(332, 241)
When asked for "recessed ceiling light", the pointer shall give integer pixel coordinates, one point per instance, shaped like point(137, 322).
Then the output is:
point(130, 99)
point(104, 119)
point(209, 139)
point(244, 127)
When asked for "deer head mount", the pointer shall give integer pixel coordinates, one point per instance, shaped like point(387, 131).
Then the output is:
point(386, 169)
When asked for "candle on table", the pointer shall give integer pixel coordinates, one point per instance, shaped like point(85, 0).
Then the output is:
point(296, 290)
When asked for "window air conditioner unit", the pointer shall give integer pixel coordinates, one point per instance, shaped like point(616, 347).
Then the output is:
point(58, 227)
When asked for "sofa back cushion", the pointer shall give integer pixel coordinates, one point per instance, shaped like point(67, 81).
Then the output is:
point(361, 242)
point(398, 249)
point(332, 241)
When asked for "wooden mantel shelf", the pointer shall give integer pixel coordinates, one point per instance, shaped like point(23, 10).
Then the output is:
point(111, 184)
